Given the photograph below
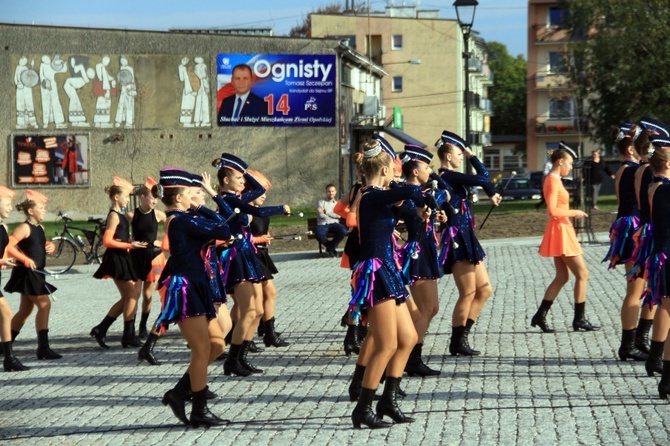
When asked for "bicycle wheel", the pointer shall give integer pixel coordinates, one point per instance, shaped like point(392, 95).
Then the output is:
point(63, 257)
point(99, 251)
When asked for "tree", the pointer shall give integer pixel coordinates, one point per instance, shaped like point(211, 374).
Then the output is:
point(508, 94)
point(621, 67)
point(304, 28)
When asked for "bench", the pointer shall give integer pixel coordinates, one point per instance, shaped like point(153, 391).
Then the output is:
point(311, 226)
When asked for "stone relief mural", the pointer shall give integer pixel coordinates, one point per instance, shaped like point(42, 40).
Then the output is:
point(58, 91)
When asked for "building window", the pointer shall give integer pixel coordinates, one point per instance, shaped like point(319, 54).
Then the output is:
point(557, 16)
point(396, 42)
point(560, 108)
point(346, 75)
point(397, 83)
point(557, 62)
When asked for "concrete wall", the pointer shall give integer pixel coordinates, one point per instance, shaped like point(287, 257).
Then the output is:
point(299, 161)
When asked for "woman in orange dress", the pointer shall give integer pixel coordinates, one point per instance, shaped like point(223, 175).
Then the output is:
point(560, 242)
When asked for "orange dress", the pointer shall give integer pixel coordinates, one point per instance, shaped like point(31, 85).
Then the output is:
point(559, 238)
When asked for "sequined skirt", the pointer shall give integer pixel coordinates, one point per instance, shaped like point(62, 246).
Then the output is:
point(373, 281)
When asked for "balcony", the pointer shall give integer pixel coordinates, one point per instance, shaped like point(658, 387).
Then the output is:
point(551, 34)
point(478, 67)
point(568, 126)
point(552, 81)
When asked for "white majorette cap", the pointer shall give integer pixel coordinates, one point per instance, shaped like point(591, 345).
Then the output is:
point(416, 153)
point(567, 148)
point(654, 126)
point(448, 137)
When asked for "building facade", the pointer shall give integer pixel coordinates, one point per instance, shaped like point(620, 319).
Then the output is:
point(423, 93)
point(554, 111)
point(83, 105)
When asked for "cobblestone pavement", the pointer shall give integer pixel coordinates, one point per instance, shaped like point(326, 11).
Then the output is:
point(526, 388)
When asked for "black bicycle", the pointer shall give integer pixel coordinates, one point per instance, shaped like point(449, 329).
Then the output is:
point(67, 244)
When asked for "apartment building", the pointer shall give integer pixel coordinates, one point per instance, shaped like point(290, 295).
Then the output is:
point(422, 54)
point(554, 111)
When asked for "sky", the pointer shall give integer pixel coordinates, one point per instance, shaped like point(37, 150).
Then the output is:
point(503, 21)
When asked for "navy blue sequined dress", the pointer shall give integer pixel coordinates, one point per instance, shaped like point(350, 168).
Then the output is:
point(459, 242)
point(658, 271)
point(376, 277)
point(187, 291)
point(418, 256)
point(626, 224)
point(243, 264)
point(643, 236)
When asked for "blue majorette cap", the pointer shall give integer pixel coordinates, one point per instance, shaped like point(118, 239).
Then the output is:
point(567, 148)
point(448, 137)
point(386, 146)
point(196, 180)
point(654, 126)
point(173, 177)
point(659, 140)
point(623, 129)
point(414, 152)
point(232, 162)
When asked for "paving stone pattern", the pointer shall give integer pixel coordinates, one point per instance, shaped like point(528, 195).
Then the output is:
point(526, 388)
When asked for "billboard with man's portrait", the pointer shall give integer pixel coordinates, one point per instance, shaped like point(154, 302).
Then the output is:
point(50, 160)
point(276, 90)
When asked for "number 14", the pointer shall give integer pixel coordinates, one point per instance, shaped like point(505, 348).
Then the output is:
point(282, 105)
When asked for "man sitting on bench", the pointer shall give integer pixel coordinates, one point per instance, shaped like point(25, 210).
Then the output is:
point(328, 222)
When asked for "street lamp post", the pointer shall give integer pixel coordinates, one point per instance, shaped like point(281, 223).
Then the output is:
point(465, 13)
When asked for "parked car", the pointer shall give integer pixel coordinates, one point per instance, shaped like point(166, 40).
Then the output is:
point(535, 178)
point(518, 189)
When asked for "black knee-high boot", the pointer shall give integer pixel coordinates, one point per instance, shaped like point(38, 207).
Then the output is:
point(579, 323)
point(457, 345)
point(232, 363)
point(242, 358)
point(416, 366)
point(200, 413)
point(363, 413)
point(14, 335)
point(99, 332)
point(540, 317)
point(628, 349)
point(143, 325)
point(129, 338)
point(664, 385)
point(351, 344)
point(468, 327)
point(229, 336)
point(356, 382)
point(11, 363)
point(642, 334)
point(654, 362)
point(388, 404)
point(43, 349)
point(271, 337)
point(176, 398)
point(146, 353)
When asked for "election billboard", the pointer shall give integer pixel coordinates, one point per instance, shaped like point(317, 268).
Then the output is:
point(280, 90)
